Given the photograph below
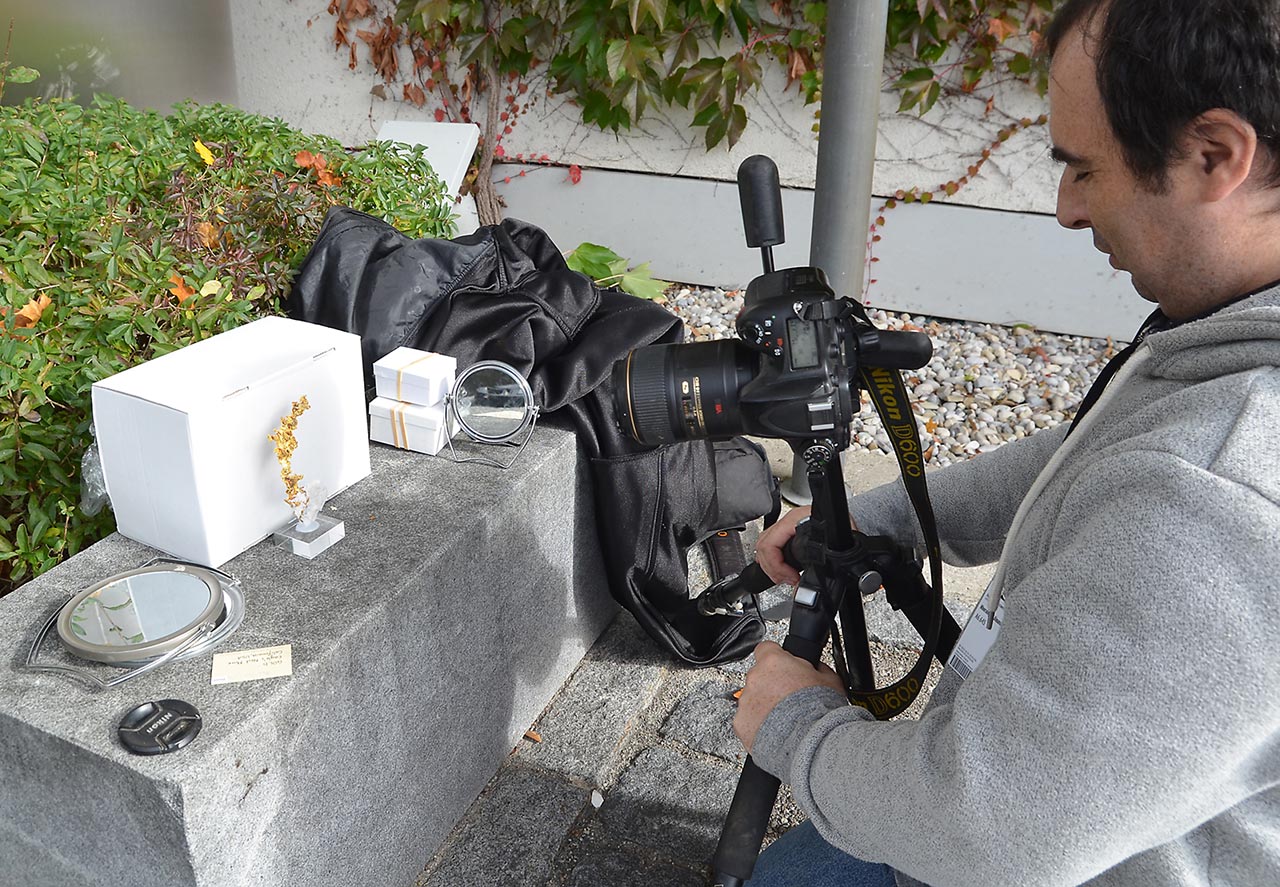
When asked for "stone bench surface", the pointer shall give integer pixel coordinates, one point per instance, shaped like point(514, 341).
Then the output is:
point(423, 644)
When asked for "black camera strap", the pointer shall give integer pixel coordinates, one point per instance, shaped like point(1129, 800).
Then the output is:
point(889, 396)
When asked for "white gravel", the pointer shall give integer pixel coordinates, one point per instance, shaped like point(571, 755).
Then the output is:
point(985, 386)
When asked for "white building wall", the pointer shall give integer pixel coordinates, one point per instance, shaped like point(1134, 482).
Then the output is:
point(644, 193)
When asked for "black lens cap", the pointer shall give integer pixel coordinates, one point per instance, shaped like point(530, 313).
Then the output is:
point(154, 728)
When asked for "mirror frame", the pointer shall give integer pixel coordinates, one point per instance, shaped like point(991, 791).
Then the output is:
point(454, 421)
point(200, 638)
point(116, 654)
point(530, 408)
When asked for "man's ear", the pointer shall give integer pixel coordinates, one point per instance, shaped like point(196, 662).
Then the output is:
point(1221, 147)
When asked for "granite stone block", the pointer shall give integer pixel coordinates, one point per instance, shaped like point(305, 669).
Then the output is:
point(703, 721)
point(591, 857)
point(671, 802)
point(583, 729)
point(511, 834)
point(423, 644)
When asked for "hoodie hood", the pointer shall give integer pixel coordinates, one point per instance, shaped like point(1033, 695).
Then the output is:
point(1241, 337)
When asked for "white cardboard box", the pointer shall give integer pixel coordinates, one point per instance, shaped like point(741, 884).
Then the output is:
point(183, 437)
point(408, 426)
point(414, 376)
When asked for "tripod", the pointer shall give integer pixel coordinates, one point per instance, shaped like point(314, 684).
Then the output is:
point(832, 556)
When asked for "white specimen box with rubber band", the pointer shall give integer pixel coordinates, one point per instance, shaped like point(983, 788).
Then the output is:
point(409, 426)
point(413, 376)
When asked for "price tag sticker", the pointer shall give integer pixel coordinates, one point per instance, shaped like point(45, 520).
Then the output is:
point(976, 639)
point(252, 665)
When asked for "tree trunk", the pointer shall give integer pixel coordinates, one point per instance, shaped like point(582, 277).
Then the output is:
point(488, 204)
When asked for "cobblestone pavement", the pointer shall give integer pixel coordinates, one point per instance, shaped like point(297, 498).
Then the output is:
point(637, 761)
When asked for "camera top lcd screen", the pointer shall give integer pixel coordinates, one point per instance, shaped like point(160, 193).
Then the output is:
point(802, 340)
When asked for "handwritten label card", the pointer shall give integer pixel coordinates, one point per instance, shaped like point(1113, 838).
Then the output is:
point(252, 665)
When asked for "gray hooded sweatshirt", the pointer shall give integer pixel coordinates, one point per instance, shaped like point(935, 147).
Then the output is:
point(1124, 728)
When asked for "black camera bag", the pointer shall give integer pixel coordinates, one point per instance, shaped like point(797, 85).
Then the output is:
point(505, 293)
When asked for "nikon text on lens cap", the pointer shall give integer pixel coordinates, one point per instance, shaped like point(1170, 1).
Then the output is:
point(154, 728)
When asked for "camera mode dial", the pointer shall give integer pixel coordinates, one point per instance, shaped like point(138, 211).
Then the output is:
point(818, 454)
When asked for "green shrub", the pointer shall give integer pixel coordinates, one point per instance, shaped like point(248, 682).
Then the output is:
point(124, 235)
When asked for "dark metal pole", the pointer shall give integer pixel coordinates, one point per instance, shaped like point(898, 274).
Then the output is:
point(852, 71)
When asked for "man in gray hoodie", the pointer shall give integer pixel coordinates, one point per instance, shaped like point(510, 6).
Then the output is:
point(1123, 727)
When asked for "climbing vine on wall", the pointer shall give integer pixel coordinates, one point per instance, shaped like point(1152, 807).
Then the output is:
point(941, 48)
point(487, 62)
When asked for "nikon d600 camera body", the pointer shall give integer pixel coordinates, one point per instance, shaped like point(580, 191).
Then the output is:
point(793, 373)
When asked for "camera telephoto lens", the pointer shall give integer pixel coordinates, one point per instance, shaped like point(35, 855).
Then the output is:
point(665, 393)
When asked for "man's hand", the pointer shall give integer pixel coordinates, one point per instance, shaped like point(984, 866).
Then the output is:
point(771, 543)
point(776, 675)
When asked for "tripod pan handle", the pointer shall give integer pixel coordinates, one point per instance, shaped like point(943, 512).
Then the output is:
point(761, 198)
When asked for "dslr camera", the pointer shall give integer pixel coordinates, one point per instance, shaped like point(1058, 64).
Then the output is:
point(794, 369)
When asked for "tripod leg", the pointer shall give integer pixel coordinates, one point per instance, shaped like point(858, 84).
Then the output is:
point(908, 593)
point(857, 652)
point(815, 604)
point(948, 632)
point(757, 790)
point(744, 826)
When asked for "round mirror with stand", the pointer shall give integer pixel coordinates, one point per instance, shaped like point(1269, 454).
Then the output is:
point(491, 403)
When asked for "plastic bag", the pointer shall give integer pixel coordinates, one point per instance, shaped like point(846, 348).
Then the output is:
point(93, 484)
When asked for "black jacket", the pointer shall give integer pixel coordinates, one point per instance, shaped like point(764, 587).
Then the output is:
point(505, 293)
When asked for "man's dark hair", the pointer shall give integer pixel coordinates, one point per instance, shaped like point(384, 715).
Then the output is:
point(1162, 63)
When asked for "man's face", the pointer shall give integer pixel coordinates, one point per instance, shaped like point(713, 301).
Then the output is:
point(1151, 235)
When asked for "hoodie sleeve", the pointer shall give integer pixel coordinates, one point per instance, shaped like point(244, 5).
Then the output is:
point(973, 502)
point(1109, 717)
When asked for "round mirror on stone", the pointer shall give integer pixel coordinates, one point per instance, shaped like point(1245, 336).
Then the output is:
point(492, 404)
point(162, 612)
